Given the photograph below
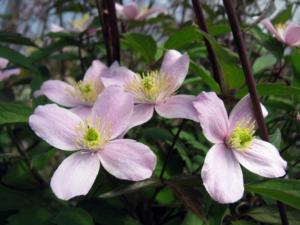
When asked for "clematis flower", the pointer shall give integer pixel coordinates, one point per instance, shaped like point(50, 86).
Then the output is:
point(132, 12)
point(95, 143)
point(234, 144)
point(4, 73)
point(155, 89)
point(79, 96)
point(288, 34)
point(77, 26)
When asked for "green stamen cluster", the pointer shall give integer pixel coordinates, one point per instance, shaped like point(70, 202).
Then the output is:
point(91, 138)
point(86, 91)
point(240, 138)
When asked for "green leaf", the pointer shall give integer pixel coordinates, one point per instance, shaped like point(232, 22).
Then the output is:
point(286, 191)
point(17, 58)
point(131, 188)
point(263, 62)
point(273, 89)
point(229, 63)
point(142, 44)
point(275, 138)
point(73, 216)
point(270, 215)
point(31, 216)
point(54, 47)
point(105, 213)
point(206, 76)
point(40, 161)
point(14, 113)
point(192, 219)
point(11, 199)
point(183, 37)
point(284, 15)
point(15, 38)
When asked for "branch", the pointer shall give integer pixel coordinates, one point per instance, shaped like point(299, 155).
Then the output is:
point(108, 18)
point(240, 44)
point(211, 54)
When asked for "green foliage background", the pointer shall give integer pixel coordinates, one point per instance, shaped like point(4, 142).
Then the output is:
point(27, 163)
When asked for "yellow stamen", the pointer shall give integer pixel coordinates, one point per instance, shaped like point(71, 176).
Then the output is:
point(87, 91)
point(241, 137)
point(93, 135)
point(150, 87)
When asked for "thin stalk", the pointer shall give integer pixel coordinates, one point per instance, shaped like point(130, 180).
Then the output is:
point(170, 150)
point(25, 157)
point(108, 18)
point(211, 54)
point(240, 44)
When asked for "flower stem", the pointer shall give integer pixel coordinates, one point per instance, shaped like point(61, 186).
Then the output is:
point(240, 44)
point(211, 54)
point(108, 18)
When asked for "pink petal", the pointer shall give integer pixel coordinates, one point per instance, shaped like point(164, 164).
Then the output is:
point(56, 125)
point(3, 63)
point(292, 35)
point(82, 111)
point(56, 28)
point(141, 114)
point(94, 72)
point(243, 111)
point(130, 11)
point(117, 75)
point(119, 9)
point(212, 116)
point(115, 107)
point(8, 73)
point(127, 159)
point(269, 26)
point(75, 175)
point(178, 106)
point(59, 92)
point(176, 66)
point(148, 12)
point(263, 159)
point(222, 175)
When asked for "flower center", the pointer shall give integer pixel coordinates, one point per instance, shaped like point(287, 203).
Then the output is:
point(93, 135)
point(241, 137)
point(91, 138)
point(87, 91)
point(149, 87)
point(281, 28)
point(80, 23)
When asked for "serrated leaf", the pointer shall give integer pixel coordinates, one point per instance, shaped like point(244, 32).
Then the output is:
point(14, 113)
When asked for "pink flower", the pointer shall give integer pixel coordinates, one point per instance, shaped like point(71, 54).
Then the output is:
point(288, 34)
point(80, 96)
point(95, 141)
point(77, 26)
point(155, 89)
point(132, 12)
point(4, 74)
point(234, 144)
